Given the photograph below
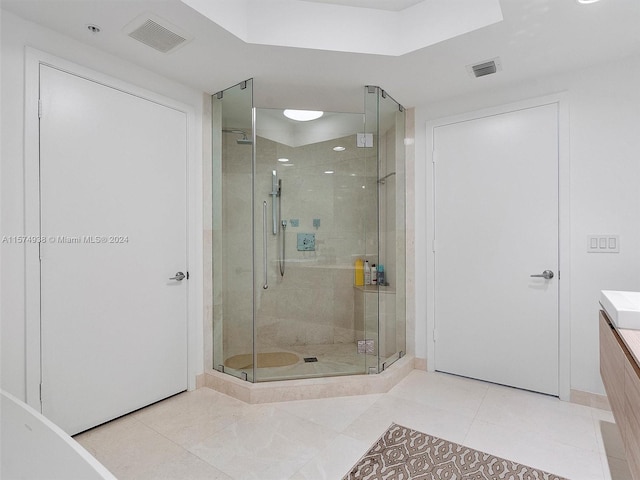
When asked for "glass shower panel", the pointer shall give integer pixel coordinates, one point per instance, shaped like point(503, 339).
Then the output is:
point(233, 243)
point(385, 121)
point(311, 212)
point(368, 143)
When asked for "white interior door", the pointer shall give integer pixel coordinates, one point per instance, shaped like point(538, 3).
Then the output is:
point(113, 217)
point(496, 224)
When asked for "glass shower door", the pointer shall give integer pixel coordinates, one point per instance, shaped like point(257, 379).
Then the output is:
point(311, 209)
point(233, 242)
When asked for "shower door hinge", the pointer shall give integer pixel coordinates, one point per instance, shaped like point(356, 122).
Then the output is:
point(219, 95)
point(243, 85)
point(40, 394)
point(39, 108)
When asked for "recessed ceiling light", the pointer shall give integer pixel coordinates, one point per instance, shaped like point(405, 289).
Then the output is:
point(93, 28)
point(302, 115)
point(339, 149)
point(283, 160)
point(587, 2)
point(329, 171)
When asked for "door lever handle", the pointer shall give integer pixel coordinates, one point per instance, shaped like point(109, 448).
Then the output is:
point(547, 274)
point(179, 276)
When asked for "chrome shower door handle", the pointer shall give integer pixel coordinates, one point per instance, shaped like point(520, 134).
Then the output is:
point(179, 277)
point(547, 275)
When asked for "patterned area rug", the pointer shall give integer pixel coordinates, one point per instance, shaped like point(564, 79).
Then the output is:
point(405, 454)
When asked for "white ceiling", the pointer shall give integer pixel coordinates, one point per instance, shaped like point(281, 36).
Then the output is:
point(536, 38)
point(391, 5)
point(340, 28)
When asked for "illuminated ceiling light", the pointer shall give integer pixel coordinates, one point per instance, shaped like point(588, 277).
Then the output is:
point(339, 149)
point(302, 115)
point(283, 160)
point(329, 171)
point(587, 2)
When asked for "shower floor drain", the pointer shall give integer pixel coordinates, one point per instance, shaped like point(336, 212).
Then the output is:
point(310, 359)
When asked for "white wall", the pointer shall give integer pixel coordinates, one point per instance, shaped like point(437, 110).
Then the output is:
point(16, 34)
point(604, 103)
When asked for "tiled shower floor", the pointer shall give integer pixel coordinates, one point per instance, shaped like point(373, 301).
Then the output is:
point(206, 434)
point(333, 359)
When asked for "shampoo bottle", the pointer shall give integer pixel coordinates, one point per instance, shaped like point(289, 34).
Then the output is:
point(381, 279)
point(374, 274)
point(367, 273)
point(359, 273)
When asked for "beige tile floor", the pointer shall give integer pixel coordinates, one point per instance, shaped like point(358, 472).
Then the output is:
point(205, 434)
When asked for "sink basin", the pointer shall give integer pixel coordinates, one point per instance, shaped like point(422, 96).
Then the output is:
point(623, 308)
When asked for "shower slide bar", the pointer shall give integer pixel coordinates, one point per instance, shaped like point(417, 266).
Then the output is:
point(265, 285)
point(274, 195)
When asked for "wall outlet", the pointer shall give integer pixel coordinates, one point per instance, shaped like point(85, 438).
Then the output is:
point(603, 243)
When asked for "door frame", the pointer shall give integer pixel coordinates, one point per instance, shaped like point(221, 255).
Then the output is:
point(33, 59)
point(564, 240)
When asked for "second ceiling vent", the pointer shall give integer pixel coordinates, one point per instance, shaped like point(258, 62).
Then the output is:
point(484, 68)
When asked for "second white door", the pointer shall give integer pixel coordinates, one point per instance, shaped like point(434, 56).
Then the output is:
point(496, 225)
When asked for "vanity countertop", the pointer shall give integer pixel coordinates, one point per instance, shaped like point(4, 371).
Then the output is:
point(620, 307)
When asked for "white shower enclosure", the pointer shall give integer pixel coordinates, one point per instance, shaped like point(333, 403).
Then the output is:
point(295, 205)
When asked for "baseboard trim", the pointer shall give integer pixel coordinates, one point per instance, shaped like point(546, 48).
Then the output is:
point(590, 399)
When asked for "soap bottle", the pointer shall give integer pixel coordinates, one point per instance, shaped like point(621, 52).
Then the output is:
point(367, 273)
point(381, 279)
point(359, 273)
point(374, 274)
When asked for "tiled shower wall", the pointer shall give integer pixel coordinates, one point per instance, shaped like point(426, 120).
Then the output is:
point(313, 302)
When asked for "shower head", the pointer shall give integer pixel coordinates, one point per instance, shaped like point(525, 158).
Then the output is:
point(240, 141)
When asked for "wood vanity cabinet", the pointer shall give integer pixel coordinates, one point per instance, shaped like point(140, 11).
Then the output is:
point(621, 377)
point(632, 410)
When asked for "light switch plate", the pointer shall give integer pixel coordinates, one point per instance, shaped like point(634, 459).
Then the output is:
point(603, 243)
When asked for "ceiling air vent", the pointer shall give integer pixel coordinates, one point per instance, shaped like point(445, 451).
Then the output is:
point(485, 68)
point(156, 33)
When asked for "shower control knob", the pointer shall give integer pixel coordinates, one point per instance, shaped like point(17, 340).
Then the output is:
point(179, 276)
